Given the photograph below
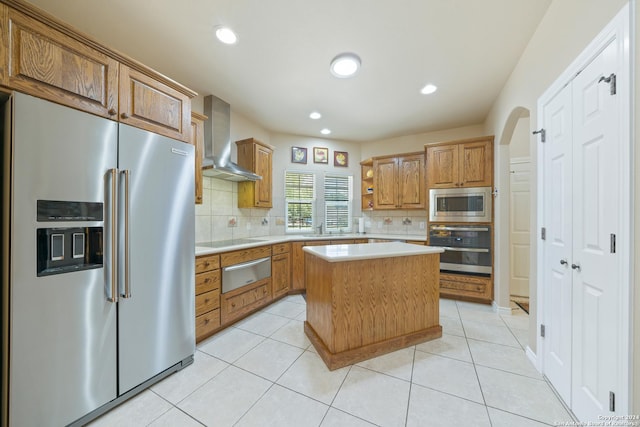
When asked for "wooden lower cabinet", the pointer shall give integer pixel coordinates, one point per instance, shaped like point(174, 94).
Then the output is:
point(239, 302)
point(466, 287)
point(297, 263)
point(280, 269)
point(208, 286)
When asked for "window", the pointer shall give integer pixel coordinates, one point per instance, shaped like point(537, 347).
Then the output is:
point(299, 199)
point(338, 190)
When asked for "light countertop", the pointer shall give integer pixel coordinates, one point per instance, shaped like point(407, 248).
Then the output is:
point(339, 253)
point(245, 243)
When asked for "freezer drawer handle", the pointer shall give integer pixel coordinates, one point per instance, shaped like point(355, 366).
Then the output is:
point(112, 247)
point(127, 252)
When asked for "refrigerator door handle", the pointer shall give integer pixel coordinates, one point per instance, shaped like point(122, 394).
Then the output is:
point(127, 252)
point(110, 243)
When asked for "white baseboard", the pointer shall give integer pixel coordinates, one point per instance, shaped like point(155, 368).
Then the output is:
point(533, 358)
point(501, 310)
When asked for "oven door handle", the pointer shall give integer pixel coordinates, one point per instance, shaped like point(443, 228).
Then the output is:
point(439, 228)
point(447, 248)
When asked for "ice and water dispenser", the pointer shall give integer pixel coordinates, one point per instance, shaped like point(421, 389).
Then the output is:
point(67, 249)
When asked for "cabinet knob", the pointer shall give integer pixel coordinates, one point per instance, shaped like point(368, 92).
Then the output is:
point(124, 115)
point(112, 112)
point(206, 301)
point(206, 264)
point(233, 304)
point(206, 321)
point(207, 280)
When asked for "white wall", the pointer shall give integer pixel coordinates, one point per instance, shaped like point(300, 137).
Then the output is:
point(566, 29)
point(411, 143)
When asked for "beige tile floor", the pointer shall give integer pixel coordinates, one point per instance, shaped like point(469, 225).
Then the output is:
point(264, 372)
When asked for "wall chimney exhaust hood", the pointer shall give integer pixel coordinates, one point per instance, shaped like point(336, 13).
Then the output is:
point(217, 143)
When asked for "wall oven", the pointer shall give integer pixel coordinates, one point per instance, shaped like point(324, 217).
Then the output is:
point(460, 204)
point(467, 248)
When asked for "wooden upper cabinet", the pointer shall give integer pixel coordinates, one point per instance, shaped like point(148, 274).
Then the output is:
point(399, 182)
point(46, 63)
point(197, 140)
point(4, 42)
point(385, 187)
point(467, 163)
point(476, 164)
point(258, 158)
point(411, 187)
point(149, 104)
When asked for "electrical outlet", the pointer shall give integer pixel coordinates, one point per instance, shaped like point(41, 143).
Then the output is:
point(422, 225)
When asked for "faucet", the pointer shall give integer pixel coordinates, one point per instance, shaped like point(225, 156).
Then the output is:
point(319, 228)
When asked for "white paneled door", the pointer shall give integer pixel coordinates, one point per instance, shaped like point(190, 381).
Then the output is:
point(595, 265)
point(519, 233)
point(582, 198)
point(558, 211)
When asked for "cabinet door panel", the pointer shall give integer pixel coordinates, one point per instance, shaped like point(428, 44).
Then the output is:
point(50, 65)
point(476, 165)
point(442, 166)
point(385, 188)
point(280, 274)
point(154, 106)
point(263, 168)
point(411, 182)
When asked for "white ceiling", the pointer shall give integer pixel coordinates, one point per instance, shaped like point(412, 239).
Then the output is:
point(279, 70)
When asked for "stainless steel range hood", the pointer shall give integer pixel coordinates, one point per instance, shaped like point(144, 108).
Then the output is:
point(217, 143)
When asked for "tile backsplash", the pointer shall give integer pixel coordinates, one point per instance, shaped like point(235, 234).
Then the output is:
point(219, 218)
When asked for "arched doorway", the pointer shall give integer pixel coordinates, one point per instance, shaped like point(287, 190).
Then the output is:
point(513, 257)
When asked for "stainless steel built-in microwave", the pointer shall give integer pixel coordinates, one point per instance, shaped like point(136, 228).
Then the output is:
point(460, 204)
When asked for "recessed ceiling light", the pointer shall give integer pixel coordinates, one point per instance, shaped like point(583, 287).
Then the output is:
point(428, 89)
point(345, 65)
point(315, 115)
point(226, 35)
point(325, 131)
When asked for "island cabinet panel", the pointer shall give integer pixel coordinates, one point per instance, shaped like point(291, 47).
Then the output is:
point(208, 287)
point(46, 63)
point(360, 309)
point(149, 104)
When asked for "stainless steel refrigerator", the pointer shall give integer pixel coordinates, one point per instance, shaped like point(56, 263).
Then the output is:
point(98, 270)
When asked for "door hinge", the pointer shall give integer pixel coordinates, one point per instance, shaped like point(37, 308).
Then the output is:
point(543, 233)
point(612, 401)
point(542, 331)
point(612, 83)
point(543, 134)
point(613, 243)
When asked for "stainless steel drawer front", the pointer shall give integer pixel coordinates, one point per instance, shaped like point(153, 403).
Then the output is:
point(238, 275)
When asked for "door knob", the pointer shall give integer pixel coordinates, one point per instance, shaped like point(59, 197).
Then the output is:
point(575, 266)
point(564, 262)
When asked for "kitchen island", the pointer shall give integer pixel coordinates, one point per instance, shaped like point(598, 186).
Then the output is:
point(365, 300)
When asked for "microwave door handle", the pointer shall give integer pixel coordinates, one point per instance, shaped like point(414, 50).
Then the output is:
point(478, 250)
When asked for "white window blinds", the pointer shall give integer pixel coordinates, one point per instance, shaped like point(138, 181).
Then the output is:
point(299, 198)
point(338, 190)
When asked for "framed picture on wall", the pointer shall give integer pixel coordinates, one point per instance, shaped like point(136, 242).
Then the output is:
point(341, 158)
point(320, 155)
point(299, 155)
